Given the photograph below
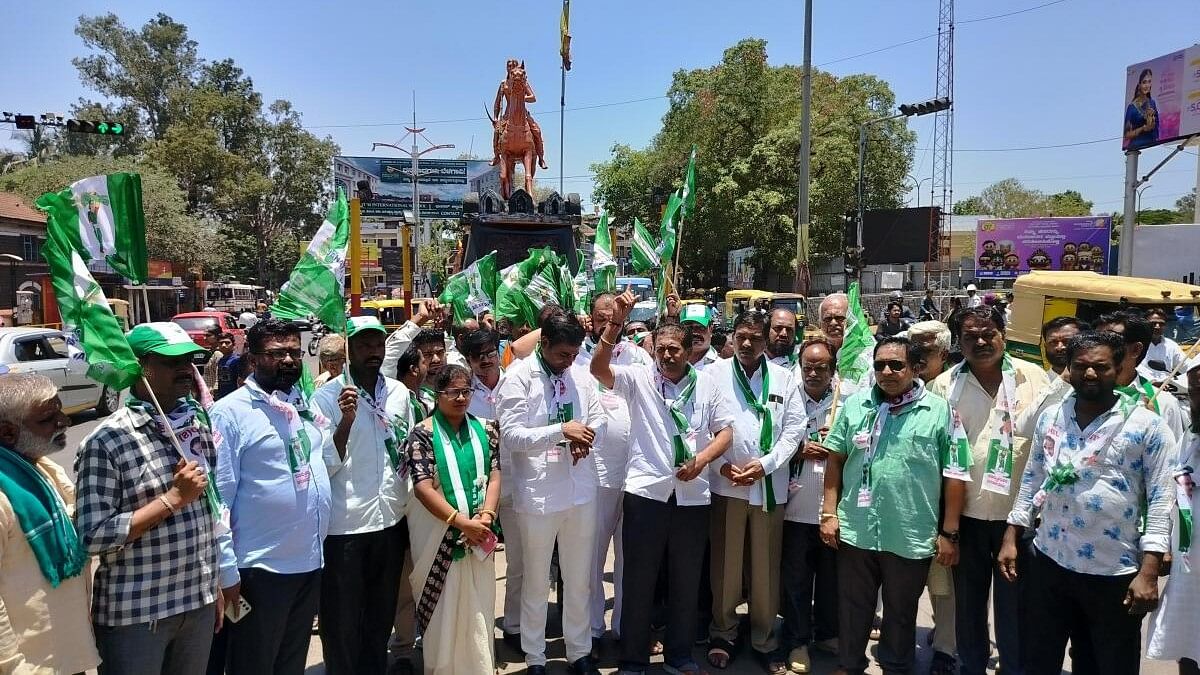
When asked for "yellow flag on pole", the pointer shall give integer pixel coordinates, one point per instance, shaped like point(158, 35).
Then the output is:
point(564, 30)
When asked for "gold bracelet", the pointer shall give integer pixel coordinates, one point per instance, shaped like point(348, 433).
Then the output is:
point(450, 518)
point(488, 512)
point(827, 516)
point(163, 499)
point(610, 344)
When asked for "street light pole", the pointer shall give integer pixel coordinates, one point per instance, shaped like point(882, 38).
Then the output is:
point(802, 208)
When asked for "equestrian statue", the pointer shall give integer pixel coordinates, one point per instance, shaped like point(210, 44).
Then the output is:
point(516, 136)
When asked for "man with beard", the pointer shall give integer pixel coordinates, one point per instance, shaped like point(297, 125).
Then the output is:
point(44, 625)
point(892, 462)
point(1056, 334)
point(809, 569)
point(1099, 459)
point(831, 318)
point(781, 341)
point(768, 425)
point(271, 470)
point(151, 515)
point(987, 391)
point(368, 476)
point(1136, 331)
point(679, 424)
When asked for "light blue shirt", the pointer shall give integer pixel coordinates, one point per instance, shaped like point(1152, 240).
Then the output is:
point(276, 526)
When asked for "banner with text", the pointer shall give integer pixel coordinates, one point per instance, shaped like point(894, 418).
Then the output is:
point(1162, 99)
point(1006, 248)
point(441, 184)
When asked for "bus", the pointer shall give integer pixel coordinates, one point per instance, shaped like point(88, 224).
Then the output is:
point(230, 297)
point(642, 287)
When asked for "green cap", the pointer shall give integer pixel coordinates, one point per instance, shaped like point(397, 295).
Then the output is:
point(696, 312)
point(161, 337)
point(358, 324)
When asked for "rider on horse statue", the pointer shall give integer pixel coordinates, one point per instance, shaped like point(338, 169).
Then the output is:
point(512, 87)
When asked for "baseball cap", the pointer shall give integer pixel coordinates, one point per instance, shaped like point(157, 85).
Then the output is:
point(161, 337)
point(696, 312)
point(358, 324)
point(971, 287)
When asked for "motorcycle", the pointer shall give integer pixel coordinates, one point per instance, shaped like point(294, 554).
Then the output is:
point(319, 330)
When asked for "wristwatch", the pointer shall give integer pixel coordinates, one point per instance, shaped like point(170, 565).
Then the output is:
point(952, 537)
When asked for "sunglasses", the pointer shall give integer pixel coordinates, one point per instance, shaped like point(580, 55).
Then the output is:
point(894, 364)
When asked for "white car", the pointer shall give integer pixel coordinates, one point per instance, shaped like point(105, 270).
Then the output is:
point(44, 350)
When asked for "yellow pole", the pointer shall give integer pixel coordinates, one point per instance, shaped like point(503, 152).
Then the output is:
point(355, 257)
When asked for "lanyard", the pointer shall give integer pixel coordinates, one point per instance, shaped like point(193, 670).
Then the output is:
point(462, 460)
point(880, 419)
point(1140, 391)
point(295, 411)
point(675, 410)
point(564, 406)
point(394, 428)
point(763, 413)
point(187, 416)
point(1000, 445)
point(815, 420)
point(1065, 470)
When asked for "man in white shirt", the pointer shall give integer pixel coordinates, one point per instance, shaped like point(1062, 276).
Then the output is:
point(1163, 355)
point(679, 424)
point(781, 342)
point(809, 568)
point(831, 318)
point(1100, 460)
point(750, 491)
point(696, 319)
point(549, 417)
point(368, 480)
point(973, 297)
point(1135, 329)
point(986, 392)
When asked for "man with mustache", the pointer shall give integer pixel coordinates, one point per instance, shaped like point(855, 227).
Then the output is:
point(781, 341)
point(1137, 333)
point(149, 511)
point(368, 479)
point(271, 470)
point(44, 625)
point(987, 391)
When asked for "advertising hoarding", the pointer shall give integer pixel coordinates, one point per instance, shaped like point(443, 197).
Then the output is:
point(1162, 99)
point(442, 184)
point(895, 236)
point(1005, 248)
point(739, 272)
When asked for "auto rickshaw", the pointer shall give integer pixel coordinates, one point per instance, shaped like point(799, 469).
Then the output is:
point(1041, 296)
point(739, 300)
point(391, 313)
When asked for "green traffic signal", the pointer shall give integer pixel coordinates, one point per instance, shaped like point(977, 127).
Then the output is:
point(102, 127)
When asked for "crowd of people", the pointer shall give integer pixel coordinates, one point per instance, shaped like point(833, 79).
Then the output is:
point(204, 534)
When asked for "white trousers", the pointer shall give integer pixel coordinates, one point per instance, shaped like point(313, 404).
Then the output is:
point(574, 529)
point(608, 528)
point(514, 566)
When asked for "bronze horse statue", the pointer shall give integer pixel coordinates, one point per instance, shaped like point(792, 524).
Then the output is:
point(517, 137)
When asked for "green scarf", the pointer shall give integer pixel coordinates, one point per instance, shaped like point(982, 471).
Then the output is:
point(682, 454)
point(43, 518)
point(462, 467)
point(1135, 393)
point(763, 413)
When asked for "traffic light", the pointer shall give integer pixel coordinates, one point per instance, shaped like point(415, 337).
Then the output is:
point(25, 121)
point(925, 107)
point(102, 128)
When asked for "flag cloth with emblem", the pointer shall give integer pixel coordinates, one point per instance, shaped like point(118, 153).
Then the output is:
point(317, 284)
point(689, 186)
point(87, 318)
point(854, 358)
point(526, 287)
point(644, 256)
point(101, 218)
point(472, 291)
point(604, 267)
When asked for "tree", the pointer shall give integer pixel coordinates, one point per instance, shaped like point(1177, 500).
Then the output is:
point(744, 117)
point(1186, 206)
point(971, 206)
point(1068, 203)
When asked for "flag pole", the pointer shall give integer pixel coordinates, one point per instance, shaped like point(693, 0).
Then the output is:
point(146, 302)
point(158, 407)
point(678, 247)
point(562, 107)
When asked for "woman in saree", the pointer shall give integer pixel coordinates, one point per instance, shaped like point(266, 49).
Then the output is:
point(453, 457)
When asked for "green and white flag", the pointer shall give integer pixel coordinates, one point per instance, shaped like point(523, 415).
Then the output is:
point(317, 285)
point(644, 256)
point(472, 291)
point(668, 229)
point(87, 318)
point(514, 299)
point(582, 285)
point(101, 218)
point(689, 186)
point(854, 358)
point(604, 267)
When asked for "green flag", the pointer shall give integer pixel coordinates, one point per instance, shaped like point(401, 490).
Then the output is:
point(604, 267)
point(101, 218)
point(513, 301)
point(644, 256)
point(472, 291)
point(317, 285)
point(668, 229)
point(689, 185)
point(88, 320)
point(854, 358)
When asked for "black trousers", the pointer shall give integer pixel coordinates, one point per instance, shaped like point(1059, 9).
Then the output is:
point(808, 614)
point(975, 578)
point(654, 533)
point(273, 638)
point(861, 574)
point(1063, 602)
point(359, 588)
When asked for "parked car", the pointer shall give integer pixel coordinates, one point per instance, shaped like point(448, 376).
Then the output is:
point(197, 325)
point(44, 351)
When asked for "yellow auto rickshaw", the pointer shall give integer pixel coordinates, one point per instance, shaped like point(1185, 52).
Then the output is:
point(741, 299)
point(1041, 296)
point(391, 313)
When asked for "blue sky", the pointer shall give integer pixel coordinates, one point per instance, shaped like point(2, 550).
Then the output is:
point(1051, 75)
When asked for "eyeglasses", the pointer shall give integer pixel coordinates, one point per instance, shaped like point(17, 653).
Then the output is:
point(831, 318)
point(895, 364)
point(814, 367)
point(453, 394)
point(488, 356)
point(280, 354)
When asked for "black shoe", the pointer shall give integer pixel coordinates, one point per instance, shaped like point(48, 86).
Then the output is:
point(584, 666)
point(513, 640)
point(536, 670)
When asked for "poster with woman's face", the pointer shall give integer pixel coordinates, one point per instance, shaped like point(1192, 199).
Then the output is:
point(1161, 101)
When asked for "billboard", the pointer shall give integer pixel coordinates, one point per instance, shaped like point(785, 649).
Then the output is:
point(739, 272)
point(895, 236)
point(1162, 99)
point(441, 184)
point(1006, 248)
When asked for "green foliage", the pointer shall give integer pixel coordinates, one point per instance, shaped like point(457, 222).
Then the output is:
point(1186, 206)
point(744, 116)
point(1010, 199)
point(1068, 203)
point(971, 206)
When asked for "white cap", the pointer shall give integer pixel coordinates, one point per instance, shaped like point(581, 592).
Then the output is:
point(971, 287)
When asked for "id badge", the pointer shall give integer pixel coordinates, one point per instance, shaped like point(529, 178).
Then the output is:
point(302, 476)
point(862, 440)
point(997, 482)
point(221, 525)
point(555, 454)
point(864, 497)
point(690, 440)
point(818, 467)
